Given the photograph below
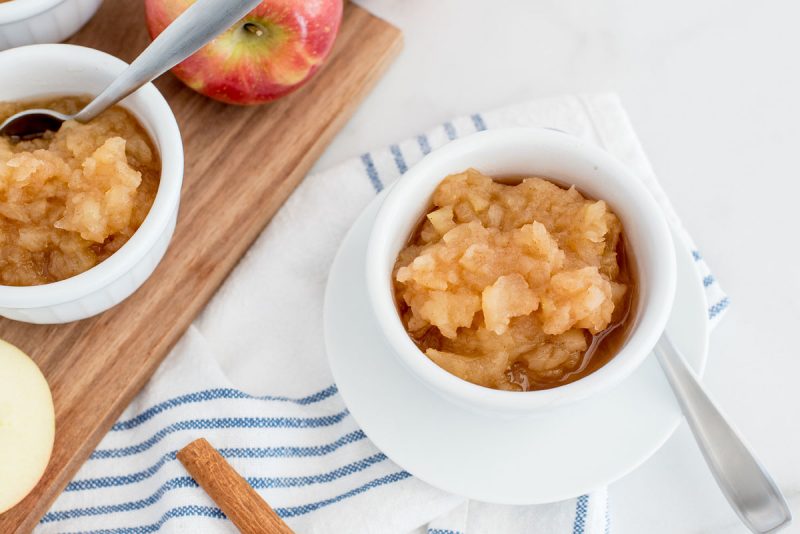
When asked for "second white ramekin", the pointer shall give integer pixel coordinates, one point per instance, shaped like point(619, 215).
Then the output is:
point(24, 22)
point(39, 71)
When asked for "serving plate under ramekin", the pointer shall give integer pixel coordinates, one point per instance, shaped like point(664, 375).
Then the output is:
point(552, 456)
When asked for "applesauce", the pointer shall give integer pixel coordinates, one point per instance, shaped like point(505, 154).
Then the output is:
point(515, 287)
point(72, 198)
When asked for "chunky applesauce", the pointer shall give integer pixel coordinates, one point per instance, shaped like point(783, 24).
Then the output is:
point(515, 287)
point(72, 198)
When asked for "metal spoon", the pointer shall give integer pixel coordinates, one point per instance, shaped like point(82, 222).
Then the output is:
point(204, 20)
point(744, 482)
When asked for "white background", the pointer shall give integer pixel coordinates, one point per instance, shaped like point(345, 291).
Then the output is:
point(712, 87)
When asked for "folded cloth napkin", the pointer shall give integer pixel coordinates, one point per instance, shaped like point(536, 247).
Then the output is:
point(292, 436)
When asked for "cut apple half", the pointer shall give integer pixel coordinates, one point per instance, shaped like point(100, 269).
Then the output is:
point(27, 425)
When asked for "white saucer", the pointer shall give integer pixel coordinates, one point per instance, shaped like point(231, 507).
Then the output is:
point(515, 461)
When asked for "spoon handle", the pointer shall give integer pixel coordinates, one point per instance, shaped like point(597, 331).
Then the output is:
point(745, 483)
point(199, 24)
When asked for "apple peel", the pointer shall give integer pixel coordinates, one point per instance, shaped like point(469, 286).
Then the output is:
point(272, 51)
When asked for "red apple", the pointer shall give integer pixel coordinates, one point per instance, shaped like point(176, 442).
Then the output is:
point(274, 50)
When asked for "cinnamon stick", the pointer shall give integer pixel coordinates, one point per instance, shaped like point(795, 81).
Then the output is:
point(235, 497)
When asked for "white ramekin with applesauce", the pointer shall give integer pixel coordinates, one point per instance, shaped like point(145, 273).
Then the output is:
point(566, 160)
point(24, 22)
point(55, 70)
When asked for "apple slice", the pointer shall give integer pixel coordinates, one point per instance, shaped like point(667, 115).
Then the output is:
point(27, 425)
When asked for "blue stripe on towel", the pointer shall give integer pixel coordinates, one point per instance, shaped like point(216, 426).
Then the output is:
point(450, 130)
point(222, 422)
point(219, 393)
point(696, 255)
point(372, 172)
point(442, 531)
point(121, 480)
point(717, 308)
point(293, 452)
point(211, 512)
point(399, 160)
point(708, 280)
point(191, 510)
point(581, 509)
point(424, 145)
point(72, 513)
point(188, 482)
point(293, 511)
point(477, 120)
point(324, 478)
point(262, 452)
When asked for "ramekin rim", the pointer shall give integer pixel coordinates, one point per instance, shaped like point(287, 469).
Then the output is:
point(19, 10)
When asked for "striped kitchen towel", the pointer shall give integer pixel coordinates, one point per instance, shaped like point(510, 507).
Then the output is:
point(251, 376)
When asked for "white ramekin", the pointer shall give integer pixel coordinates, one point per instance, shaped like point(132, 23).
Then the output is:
point(56, 70)
point(527, 152)
point(24, 22)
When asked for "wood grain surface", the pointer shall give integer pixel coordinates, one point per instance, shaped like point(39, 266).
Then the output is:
point(241, 164)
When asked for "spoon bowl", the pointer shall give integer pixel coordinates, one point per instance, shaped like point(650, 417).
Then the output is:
point(32, 123)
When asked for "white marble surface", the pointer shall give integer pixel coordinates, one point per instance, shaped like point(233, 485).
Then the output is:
point(712, 88)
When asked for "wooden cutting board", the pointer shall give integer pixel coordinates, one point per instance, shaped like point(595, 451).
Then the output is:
point(241, 164)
